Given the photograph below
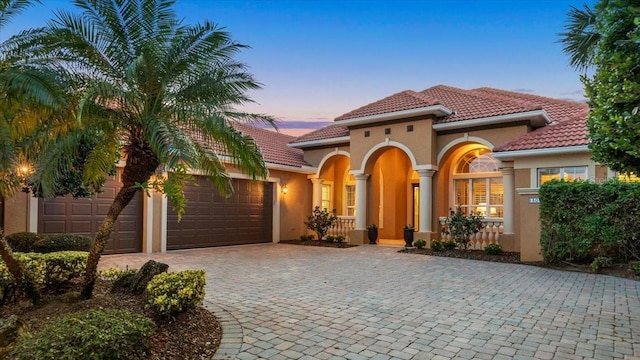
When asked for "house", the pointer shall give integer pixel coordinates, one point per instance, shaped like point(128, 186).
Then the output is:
point(409, 158)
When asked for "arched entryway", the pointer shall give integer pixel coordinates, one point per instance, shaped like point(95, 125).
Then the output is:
point(390, 191)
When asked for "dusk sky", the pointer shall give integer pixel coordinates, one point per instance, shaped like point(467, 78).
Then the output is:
point(320, 59)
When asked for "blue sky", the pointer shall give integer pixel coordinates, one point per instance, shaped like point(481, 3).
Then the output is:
point(320, 59)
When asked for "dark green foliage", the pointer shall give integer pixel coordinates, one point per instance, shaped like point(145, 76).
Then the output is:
point(436, 246)
point(634, 268)
point(493, 249)
point(330, 238)
point(420, 243)
point(606, 38)
point(601, 262)
point(93, 334)
point(581, 220)
point(23, 241)
point(63, 242)
point(306, 237)
point(339, 239)
point(461, 226)
point(449, 245)
point(320, 221)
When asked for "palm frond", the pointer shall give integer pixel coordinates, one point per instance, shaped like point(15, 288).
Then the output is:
point(581, 37)
point(11, 8)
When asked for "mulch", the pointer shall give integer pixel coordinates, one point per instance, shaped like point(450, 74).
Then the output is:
point(193, 334)
point(318, 243)
point(618, 269)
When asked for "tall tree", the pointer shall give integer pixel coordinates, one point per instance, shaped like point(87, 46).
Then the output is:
point(16, 90)
point(162, 92)
point(605, 39)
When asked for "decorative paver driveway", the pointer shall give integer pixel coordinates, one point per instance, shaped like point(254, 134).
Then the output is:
point(370, 302)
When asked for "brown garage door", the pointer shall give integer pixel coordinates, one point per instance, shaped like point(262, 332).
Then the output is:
point(84, 216)
point(211, 220)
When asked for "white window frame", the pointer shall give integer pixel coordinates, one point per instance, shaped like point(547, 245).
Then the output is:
point(346, 199)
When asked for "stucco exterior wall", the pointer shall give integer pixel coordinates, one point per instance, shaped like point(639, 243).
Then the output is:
point(493, 136)
point(295, 205)
point(315, 156)
point(420, 141)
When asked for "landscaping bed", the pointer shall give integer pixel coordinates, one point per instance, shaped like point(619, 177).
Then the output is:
point(617, 269)
point(341, 245)
point(192, 334)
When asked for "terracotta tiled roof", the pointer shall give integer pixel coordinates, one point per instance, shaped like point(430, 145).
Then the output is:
point(274, 146)
point(475, 104)
point(327, 132)
point(404, 100)
point(557, 109)
point(468, 104)
point(570, 132)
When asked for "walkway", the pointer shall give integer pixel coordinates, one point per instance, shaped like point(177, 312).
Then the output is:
point(370, 302)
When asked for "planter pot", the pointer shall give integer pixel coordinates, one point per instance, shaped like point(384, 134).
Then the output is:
point(408, 237)
point(372, 234)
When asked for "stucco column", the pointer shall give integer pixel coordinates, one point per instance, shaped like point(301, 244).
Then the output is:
point(508, 196)
point(426, 200)
point(317, 192)
point(361, 201)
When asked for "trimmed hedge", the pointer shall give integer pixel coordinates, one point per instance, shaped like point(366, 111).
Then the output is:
point(582, 220)
point(23, 241)
point(51, 270)
point(93, 334)
point(64, 242)
point(31, 242)
point(171, 293)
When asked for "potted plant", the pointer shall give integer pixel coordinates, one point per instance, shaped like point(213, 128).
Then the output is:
point(372, 233)
point(408, 235)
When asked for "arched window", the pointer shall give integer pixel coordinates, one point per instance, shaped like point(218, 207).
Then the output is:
point(477, 184)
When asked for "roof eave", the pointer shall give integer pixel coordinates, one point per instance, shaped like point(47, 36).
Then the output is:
point(437, 110)
point(510, 155)
point(538, 118)
point(321, 142)
point(296, 169)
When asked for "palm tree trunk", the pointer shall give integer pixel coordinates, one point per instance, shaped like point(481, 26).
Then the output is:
point(17, 271)
point(124, 197)
point(140, 165)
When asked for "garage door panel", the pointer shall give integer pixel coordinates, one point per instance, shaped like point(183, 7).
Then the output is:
point(85, 216)
point(212, 220)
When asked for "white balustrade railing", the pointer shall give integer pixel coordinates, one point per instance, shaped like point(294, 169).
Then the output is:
point(343, 227)
point(488, 234)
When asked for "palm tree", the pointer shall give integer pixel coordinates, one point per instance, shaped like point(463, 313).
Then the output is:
point(16, 89)
point(160, 92)
point(581, 37)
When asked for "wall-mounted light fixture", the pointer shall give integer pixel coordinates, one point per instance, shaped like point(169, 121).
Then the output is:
point(284, 189)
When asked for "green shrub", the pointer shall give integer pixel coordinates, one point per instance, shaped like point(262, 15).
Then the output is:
point(93, 334)
point(306, 237)
point(171, 293)
point(582, 219)
point(634, 267)
point(461, 226)
point(493, 249)
point(52, 269)
point(449, 245)
point(320, 221)
point(339, 239)
point(420, 243)
point(114, 273)
point(23, 241)
point(601, 262)
point(436, 246)
point(330, 238)
point(63, 242)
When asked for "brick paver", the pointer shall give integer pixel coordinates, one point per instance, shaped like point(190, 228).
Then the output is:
point(370, 302)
